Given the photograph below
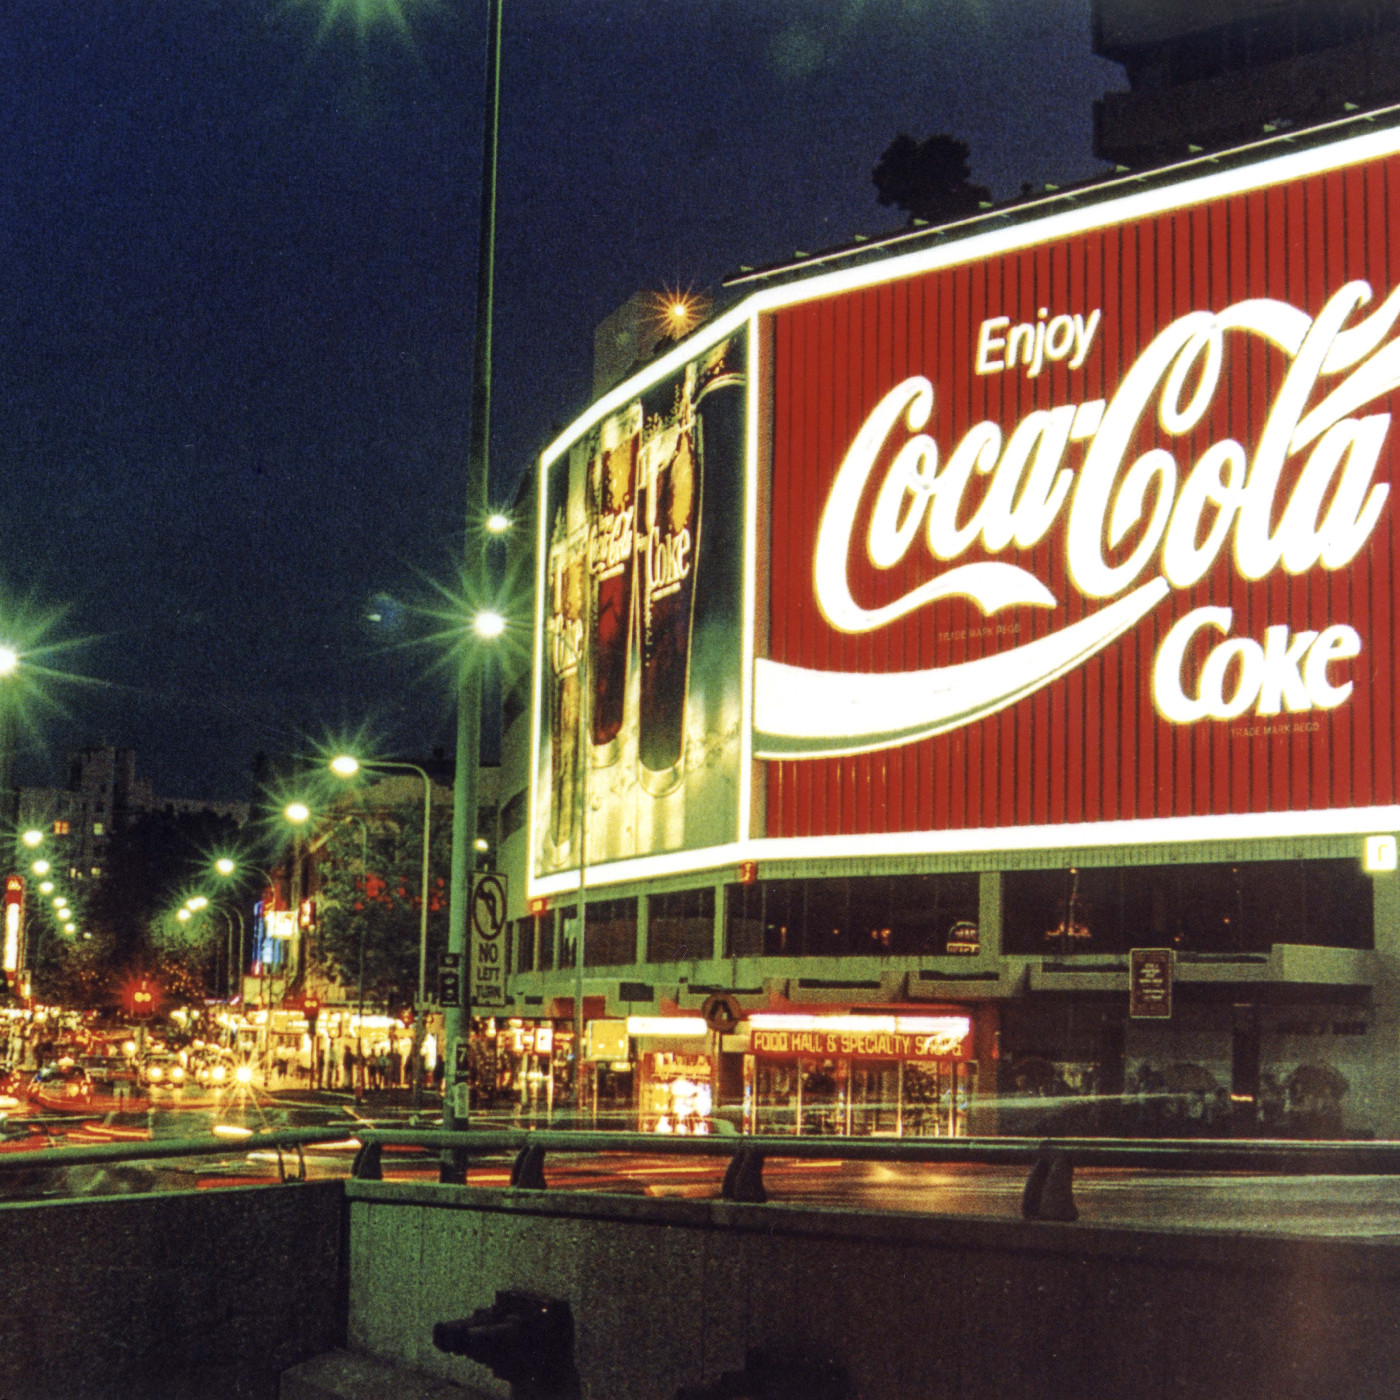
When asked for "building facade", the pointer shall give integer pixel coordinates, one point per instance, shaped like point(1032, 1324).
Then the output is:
point(104, 793)
point(963, 682)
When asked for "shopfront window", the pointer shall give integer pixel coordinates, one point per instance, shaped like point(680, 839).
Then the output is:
point(815, 1096)
point(869, 916)
point(526, 936)
point(681, 925)
point(1219, 908)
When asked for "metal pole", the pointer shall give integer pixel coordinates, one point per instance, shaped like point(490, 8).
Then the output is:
point(293, 975)
point(357, 1076)
point(242, 963)
point(585, 709)
point(457, 1019)
point(419, 1020)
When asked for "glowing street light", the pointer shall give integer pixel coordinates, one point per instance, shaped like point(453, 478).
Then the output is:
point(227, 867)
point(59, 902)
point(488, 625)
point(46, 887)
point(9, 661)
point(197, 902)
point(297, 813)
point(41, 867)
point(32, 838)
point(345, 765)
point(497, 524)
point(183, 914)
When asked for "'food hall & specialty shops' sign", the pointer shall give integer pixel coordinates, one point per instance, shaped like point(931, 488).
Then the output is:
point(864, 1045)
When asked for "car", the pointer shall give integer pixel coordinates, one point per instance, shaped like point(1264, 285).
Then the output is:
point(61, 1084)
point(162, 1071)
point(212, 1068)
point(108, 1070)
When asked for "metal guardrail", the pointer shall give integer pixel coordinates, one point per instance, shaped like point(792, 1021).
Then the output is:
point(158, 1149)
point(743, 1180)
point(1050, 1161)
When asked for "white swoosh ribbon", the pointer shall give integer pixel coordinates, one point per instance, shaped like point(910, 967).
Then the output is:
point(803, 713)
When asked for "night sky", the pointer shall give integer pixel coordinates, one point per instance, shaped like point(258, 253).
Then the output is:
point(237, 264)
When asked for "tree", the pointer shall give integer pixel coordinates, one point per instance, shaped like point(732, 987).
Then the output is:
point(69, 971)
point(930, 179)
point(184, 956)
point(381, 913)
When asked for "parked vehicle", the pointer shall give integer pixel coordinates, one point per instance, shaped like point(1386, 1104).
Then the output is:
point(62, 1084)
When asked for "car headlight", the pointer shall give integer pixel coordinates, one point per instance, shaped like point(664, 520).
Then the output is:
point(177, 1073)
point(219, 1074)
point(155, 1072)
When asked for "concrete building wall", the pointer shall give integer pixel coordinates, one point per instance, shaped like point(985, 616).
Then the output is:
point(668, 1293)
point(169, 1295)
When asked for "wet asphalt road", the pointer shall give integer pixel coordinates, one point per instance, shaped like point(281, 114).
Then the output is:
point(1335, 1207)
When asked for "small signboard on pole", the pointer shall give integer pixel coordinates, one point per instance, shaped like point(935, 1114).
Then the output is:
point(488, 926)
point(1150, 983)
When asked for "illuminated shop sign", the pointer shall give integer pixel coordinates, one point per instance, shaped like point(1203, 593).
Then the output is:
point(1072, 531)
point(865, 1045)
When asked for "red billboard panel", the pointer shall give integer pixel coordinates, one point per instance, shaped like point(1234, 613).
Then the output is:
point(1091, 521)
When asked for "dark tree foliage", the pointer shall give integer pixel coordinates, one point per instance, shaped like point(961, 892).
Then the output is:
point(68, 970)
point(929, 179)
point(151, 863)
point(380, 914)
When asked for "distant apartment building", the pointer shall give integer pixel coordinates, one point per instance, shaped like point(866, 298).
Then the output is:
point(1205, 74)
point(104, 793)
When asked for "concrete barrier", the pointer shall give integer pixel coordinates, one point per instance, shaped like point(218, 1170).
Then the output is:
point(169, 1296)
point(668, 1293)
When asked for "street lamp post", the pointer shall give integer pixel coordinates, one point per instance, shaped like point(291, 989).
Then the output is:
point(358, 1074)
point(457, 1019)
point(346, 767)
point(298, 813)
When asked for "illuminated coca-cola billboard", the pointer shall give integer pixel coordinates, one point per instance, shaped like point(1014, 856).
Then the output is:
point(1095, 528)
point(1076, 530)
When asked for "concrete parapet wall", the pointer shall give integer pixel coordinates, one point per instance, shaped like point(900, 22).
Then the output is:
point(671, 1292)
point(192, 1295)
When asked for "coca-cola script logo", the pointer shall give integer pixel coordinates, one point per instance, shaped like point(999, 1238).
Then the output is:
point(1173, 521)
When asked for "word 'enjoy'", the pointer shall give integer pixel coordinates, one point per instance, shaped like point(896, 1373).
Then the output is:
point(1063, 337)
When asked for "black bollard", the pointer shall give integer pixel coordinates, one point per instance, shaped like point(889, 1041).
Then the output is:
point(524, 1339)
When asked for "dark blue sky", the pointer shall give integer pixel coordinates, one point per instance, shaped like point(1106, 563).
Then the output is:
point(236, 289)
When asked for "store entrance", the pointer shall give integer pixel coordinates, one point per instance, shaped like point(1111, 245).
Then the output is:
point(814, 1097)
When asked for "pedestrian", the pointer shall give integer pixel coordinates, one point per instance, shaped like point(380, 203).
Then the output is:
point(395, 1066)
point(347, 1062)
